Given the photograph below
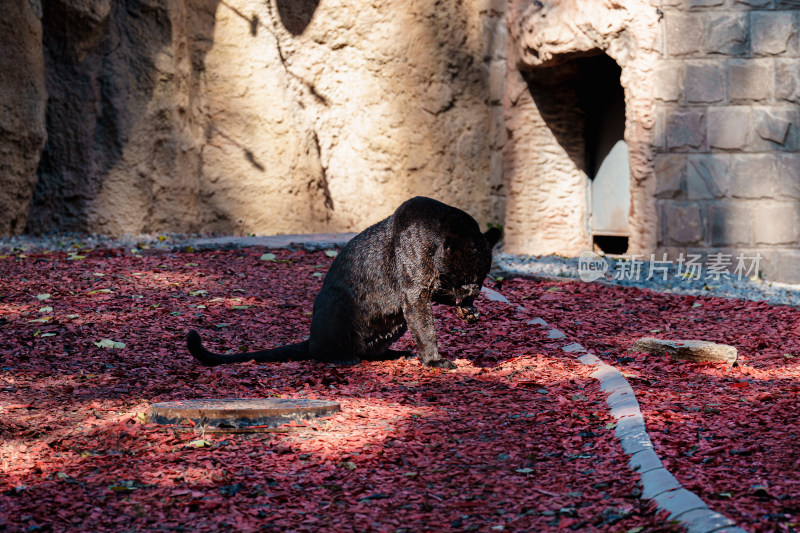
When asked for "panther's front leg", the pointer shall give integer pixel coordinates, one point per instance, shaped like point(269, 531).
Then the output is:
point(418, 314)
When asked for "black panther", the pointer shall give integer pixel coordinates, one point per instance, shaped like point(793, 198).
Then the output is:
point(382, 283)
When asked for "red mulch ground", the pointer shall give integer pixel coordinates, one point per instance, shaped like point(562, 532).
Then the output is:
point(731, 435)
point(516, 439)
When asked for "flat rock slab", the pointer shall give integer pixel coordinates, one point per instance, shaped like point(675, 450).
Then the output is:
point(237, 414)
point(688, 350)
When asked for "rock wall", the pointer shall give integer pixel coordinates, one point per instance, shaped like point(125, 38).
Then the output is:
point(291, 116)
point(270, 116)
point(22, 105)
point(123, 137)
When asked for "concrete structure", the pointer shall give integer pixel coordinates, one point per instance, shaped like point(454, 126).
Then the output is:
point(664, 126)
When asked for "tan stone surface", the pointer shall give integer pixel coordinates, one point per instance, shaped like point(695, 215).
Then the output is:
point(546, 191)
point(266, 116)
point(688, 350)
point(22, 105)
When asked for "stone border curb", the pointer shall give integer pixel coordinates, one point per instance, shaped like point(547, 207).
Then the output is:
point(311, 242)
point(658, 484)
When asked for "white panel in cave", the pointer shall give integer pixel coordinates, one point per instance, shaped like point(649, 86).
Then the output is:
point(611, 195)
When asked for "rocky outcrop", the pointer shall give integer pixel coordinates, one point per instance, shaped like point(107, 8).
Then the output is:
point(265, 117)
point(350, 107)
point(22, 106)
point(124, 135)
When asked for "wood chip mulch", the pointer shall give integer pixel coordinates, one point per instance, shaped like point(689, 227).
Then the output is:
point(517, 439)
point(729, 434)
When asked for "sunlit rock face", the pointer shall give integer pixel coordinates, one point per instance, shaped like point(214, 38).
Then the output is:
point(266, 116)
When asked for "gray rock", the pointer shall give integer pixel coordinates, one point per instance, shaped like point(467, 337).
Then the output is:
point(686, 130)
point(776, 128)
point(752, 175)
point(537, 322)
point(678, 502)
point(787, 80)
point(574, 347)
point(725, 33)
point(684, 33)
point(620, 395)
point(657, 481)
point(686, 225)
point(688, 350)
point(776, 223)
point(708, 176)
point(705, 83)
point(629, 407)
point(789, 176)
point(737, 286)
point(669, 81)
point(644, 461)
point(588, 359)
point(750, 80)
point(705, 520)
point(494, 295)
point(670, 170)
point(629, 424)
point(728, 127)
point(729, 224)
point(635, 442)
point(789, 266)
point(771, 33)
point(613, 383)
point(604, 372)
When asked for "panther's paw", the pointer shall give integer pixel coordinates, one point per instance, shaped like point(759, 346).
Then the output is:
point(444, 364)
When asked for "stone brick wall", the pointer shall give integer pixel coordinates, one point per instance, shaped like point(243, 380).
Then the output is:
point(712, 89)
point(727, 164)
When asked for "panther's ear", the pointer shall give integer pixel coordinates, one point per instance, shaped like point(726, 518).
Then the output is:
point(493, 235)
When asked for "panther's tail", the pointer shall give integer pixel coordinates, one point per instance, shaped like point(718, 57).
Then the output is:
point(290, 352)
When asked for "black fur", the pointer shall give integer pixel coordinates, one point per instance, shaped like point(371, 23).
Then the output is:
point(382, 283)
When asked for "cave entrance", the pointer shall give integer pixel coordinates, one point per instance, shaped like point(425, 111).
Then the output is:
point(602, 100)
